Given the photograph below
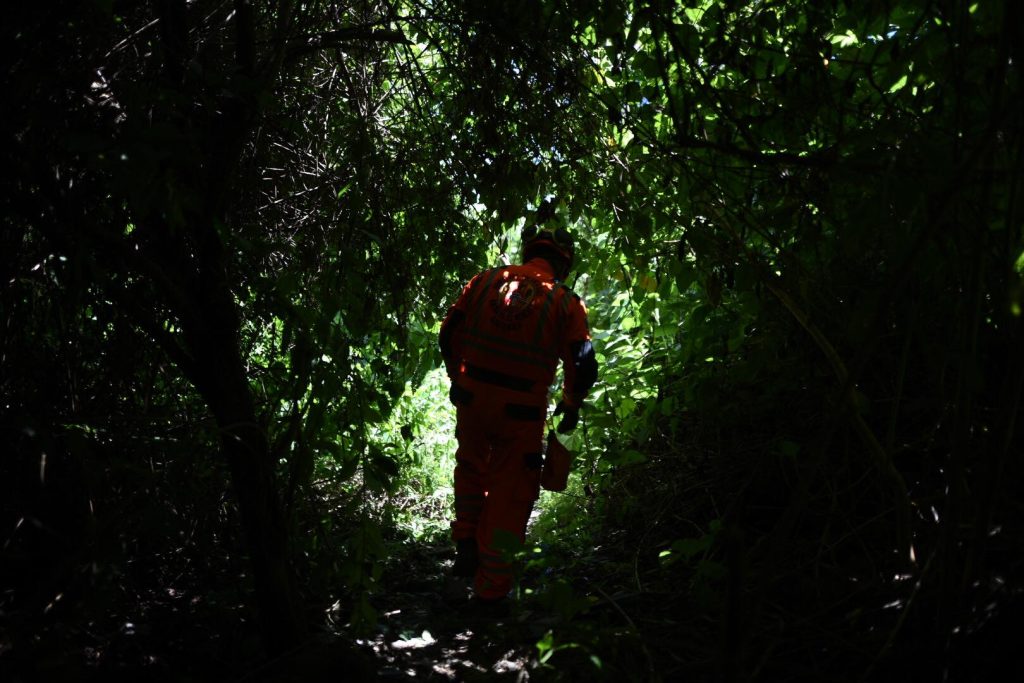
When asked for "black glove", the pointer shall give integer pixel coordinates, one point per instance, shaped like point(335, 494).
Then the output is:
point(459, 395)
point(570, 417)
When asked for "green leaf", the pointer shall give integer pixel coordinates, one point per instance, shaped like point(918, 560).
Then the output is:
point(844, 39)
point(902, 81)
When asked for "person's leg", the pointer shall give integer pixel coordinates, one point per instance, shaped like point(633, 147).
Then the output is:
point(513, 483)
point(471, 460)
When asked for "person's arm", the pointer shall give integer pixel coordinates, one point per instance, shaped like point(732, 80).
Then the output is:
point(450, 336)
point(579, 364)
point(580, 373)
point(448, 339)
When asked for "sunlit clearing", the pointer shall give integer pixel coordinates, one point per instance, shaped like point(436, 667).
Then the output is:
point(424, 421)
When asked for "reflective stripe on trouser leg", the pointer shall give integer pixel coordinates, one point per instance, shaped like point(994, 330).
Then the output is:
point(467, 514)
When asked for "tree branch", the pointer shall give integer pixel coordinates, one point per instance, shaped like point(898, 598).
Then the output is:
point(328, 39)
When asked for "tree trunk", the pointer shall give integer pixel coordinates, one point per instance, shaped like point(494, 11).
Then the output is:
point(219, 375)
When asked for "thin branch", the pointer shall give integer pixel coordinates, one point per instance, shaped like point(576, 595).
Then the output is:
point(337, 38)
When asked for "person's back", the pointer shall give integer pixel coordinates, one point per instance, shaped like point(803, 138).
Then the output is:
point(518, 322)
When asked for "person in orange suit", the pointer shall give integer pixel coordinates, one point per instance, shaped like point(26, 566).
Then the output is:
point(501, 342)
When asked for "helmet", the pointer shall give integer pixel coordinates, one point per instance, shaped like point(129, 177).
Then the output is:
point(552, 236)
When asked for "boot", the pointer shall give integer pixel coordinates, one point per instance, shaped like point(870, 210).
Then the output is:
point(483, 608)
point(467, 557)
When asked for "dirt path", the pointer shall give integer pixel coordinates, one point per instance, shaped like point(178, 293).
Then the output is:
point(426, 634)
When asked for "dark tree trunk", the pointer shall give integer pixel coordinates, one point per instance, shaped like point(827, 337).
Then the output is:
point(210, 317)
point(219, 374)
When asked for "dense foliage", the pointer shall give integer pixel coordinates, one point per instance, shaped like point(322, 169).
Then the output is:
point(229, 230)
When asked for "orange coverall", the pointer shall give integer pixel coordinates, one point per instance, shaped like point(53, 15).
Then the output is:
point(501, 341)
